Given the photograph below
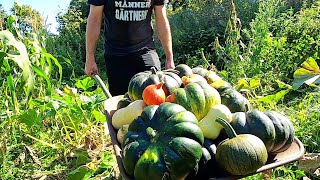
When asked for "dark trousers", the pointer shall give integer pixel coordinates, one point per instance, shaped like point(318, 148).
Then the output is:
point(120, 69)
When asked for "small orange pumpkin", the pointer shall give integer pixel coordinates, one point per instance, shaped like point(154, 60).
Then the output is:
point(154, 94)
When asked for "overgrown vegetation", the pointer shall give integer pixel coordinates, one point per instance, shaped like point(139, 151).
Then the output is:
point(51, 117)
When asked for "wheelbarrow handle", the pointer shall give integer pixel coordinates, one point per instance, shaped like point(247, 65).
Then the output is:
point(102, 85)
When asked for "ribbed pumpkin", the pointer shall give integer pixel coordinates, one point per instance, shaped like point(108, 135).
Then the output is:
point(274, 129)
point(124, 101)
point(141, 80)
point(240, 154)
point(234, 100)
point(183, 69)
point(198, 97)
point(165, 142)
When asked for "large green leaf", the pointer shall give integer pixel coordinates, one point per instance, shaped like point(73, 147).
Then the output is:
point(56, 62)
point(20, 57)
point(85, 83)
point(43, 74)
point(309, 73)
point(31, 118)
point(273, 98)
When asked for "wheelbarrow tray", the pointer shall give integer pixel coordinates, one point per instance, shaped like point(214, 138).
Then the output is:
point(293, 153)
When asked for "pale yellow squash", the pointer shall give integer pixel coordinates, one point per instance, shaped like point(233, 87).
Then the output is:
point(210, 128)
point(127, 114)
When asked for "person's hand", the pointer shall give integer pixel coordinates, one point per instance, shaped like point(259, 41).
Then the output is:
point(91, 67)
point(169, 64)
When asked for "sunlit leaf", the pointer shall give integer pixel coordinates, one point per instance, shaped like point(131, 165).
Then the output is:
point(82, 173)
point(308, 74)
point(31, 118)
point(254, 83)
point(311, 65)
point(99, 116)
point(274, 98)
point(283, 85)
point(242, 84)
point(21, 58)
point(42, 74)
point(56, 62)
point(85, 84)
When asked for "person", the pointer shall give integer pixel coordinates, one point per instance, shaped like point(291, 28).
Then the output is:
point(128, 33)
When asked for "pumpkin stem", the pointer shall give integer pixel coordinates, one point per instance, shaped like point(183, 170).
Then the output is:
point(230, 131)
point(153, 70)
point(151, 133)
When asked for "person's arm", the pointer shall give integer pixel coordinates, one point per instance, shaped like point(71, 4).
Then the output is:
point(164, 34)
point(92, 35)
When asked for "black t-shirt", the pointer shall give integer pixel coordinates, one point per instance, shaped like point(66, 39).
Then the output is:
point(127, 24)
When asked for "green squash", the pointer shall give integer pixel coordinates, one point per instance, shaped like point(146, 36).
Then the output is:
point(141, 80)
point(199, 70)
point(165, 142)
point(197, 97)
point(274, 129)
point(240, 154)
point(209, 75)
point(257, 123)
point(234, 100)
point(284, 131)
point(183, 70)
point(124, 101)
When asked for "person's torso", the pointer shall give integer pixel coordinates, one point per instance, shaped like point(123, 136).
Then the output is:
point(128, 26)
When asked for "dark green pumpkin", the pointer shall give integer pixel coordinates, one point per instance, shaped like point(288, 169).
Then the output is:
point(284, 131)
point(141, 80)
point(240, 154)
point(274, 129)
point(197, 97)
point(200, 70)
point(124, 102)
point(165, 142)
point(183, 70)
point(234, 100)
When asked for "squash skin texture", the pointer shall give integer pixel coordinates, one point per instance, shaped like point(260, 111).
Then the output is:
point(160, 142)
point(198, 98)
point(273, 128)
point(259, 125)
point(234, 100)
point(245, 154)
point(284, 131)
point(184, 70)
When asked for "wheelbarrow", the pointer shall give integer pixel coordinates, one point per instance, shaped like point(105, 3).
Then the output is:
point(292, 154)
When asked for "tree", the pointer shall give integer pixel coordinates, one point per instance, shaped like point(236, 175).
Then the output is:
point(75, 18)
point(28, 19)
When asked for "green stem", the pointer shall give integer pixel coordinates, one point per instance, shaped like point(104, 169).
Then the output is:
point(230, 131)
point(151, 133)
point(153, 70)
point(42, 142)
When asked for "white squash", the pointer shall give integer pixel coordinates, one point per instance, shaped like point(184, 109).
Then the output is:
point(210, 128)
point(122, 132)
point(127, 114)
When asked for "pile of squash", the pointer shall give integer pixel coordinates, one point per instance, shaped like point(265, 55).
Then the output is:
point(188, 123)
